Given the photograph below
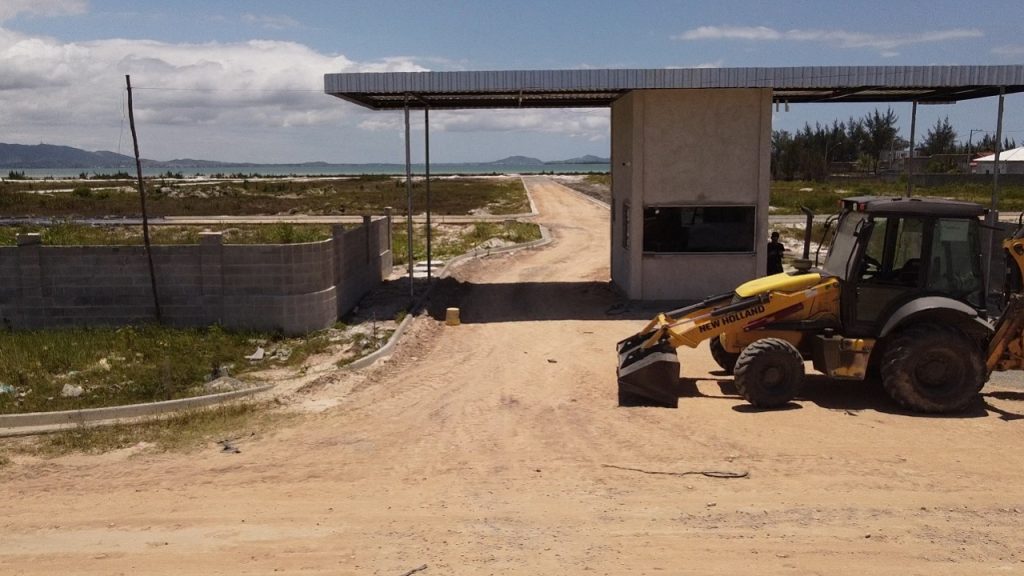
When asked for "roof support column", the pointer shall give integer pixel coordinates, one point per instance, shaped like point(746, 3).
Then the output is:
point(910, 158)
point(426, 153)
point(999, 147)
point(992, 219)
point(408, 194)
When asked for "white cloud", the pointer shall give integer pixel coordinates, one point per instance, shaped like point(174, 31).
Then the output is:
point(11, 8)
point(588, 124)
point(73, 92)
point(258, 101)
point(270, 22)
point(1012, 50)
point(841, 38)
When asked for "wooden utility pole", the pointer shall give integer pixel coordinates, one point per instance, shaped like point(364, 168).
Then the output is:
point(142, 196)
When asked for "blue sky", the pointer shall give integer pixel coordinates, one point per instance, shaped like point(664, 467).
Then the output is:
point(242, 81)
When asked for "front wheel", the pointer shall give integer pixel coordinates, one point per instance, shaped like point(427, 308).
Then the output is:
point(769, 372)
point(933, 368)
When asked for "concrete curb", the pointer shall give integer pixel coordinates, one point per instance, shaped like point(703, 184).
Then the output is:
point(529, 197)
point(43, 422)
point(385, 350)
point(545, 238)
point(600, 203)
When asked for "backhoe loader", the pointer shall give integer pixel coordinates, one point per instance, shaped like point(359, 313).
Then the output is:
point(900, 296)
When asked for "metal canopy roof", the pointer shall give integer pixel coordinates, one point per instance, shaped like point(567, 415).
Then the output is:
point(599, 88)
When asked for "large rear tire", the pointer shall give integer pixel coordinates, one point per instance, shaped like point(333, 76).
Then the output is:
point(933, 368)
point(724, 358)
point(769, 372)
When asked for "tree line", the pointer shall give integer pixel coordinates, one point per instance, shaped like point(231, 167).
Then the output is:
point(869, 144)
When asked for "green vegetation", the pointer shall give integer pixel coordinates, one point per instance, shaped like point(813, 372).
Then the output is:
point(448, 241)
point(866, 144)
point(128, 365)
point(70, 234)
point(181, 431)
point(353, 195)
point(823, 197)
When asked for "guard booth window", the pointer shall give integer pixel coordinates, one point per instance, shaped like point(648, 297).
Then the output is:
point(682, 229)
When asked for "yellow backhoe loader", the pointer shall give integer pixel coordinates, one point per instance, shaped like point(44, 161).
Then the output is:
point(900, 295)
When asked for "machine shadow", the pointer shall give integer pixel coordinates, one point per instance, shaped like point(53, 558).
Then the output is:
point(532, 301)
point(848, 396)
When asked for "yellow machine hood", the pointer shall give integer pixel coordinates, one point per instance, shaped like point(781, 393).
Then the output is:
point(779, 283)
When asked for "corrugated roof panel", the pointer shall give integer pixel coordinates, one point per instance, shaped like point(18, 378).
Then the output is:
point(880, 83)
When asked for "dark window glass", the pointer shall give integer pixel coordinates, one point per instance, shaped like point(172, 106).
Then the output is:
point(893, 254)
point(699, 229)
point(955, 267)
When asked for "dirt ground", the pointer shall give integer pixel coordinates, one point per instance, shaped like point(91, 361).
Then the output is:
point(496, 447)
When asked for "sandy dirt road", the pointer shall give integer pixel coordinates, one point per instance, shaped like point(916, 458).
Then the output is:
point(496, 447)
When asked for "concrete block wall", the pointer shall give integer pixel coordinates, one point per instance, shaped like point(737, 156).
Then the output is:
point(293, 288)
point(356, 256)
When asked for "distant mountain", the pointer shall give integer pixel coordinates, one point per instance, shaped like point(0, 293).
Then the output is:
point(21, 156)
point(588, 159)
point(529, 161)
point(51, 156)
point(515, 161)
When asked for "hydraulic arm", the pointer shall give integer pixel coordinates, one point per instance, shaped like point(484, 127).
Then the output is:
point(648, 365)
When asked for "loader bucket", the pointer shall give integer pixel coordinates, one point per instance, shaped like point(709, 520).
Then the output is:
point(647, 377)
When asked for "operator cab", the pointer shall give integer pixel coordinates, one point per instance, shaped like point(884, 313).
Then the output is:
point(890, 251)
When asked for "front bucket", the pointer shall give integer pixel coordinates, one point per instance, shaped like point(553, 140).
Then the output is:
point(649, 377)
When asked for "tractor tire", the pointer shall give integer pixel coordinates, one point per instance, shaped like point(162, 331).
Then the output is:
point(769, 372)
point(724, 358)
point(933, 368)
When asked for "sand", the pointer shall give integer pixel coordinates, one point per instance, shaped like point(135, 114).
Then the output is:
point(496, 447)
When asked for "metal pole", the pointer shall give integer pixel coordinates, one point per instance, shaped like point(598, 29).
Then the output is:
point(999, 147)
point(970, 148)
point(910, 159)
point(142, 196)
point(993, 214)
point(426, 145)
point(408, 194)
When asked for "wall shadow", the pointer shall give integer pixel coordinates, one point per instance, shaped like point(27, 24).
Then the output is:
point(533, 301)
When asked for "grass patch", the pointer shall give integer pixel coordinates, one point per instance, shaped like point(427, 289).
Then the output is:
point(823, 197)
point(128, 365)
point(181, 431)
point(70, 234)
point(355, 195)
point(453, 240)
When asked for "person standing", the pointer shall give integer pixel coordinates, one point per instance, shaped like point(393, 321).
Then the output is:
point(775, 250)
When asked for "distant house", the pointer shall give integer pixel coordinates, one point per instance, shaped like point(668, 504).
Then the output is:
point(1010, 162)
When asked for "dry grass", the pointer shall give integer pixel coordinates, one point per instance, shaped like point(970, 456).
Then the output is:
point(355, 195)
point(183, 431)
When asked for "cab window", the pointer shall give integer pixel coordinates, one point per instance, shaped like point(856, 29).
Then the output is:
point(955, 266)
point(893, 253)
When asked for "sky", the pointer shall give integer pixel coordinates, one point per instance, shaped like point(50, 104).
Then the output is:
point(242, 81)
